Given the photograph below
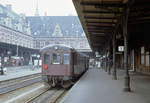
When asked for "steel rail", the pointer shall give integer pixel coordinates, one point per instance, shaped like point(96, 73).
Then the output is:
point(19, 85)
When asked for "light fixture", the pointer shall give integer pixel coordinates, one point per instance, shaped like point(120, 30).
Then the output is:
point(55, 47)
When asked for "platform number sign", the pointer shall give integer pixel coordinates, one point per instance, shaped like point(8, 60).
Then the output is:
point(121, 48)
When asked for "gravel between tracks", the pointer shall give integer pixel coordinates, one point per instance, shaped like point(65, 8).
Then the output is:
point(50, 96)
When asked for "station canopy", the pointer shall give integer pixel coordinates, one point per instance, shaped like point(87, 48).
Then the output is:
point(99, 18)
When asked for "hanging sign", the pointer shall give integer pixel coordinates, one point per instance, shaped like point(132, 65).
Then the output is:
point(121, 48)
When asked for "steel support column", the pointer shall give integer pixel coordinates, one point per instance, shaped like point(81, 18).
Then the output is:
point(2, 59)
point(125, 34)
point(114, 57)
point(105, 60)
point(2, 64)
point(109, 71)
point(17, 50)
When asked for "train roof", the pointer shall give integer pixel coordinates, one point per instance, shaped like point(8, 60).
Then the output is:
point(60, 46)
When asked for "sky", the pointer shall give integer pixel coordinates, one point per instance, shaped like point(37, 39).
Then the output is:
point(49, 7)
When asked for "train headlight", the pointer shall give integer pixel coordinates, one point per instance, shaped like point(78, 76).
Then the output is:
point(56, 47)
point(45, 66)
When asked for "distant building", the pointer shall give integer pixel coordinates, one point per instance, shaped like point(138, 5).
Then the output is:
point(13, 20)
point(46, 25)
point(76, 42)
point(11, 36)
point(42, 30)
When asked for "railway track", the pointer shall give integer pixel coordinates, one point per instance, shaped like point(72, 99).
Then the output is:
point(16, 83)
point(48, 96)
point(29, 89)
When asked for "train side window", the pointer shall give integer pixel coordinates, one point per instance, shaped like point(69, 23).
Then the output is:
point(66, 59)
point(46, 59)
point(56, 58)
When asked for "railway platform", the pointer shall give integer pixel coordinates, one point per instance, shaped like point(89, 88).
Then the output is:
point(20, 71)
point(96, 86)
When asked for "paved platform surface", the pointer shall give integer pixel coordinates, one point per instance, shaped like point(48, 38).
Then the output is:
point(15, 72)
point(96, 86)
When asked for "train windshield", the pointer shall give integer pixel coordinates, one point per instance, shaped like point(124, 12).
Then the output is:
point(66, 59)
point(56, 58)
point(46, 59)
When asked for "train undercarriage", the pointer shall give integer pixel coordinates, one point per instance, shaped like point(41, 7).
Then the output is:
point(53, 81)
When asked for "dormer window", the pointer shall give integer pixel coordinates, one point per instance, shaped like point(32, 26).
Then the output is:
point(57, 31)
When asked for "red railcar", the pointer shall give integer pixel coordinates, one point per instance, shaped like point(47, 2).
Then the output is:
point(62, 64)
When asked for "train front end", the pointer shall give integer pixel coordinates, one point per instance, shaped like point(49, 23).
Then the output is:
point(56, 65)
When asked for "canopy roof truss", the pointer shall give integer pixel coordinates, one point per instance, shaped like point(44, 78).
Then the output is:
point(100, 18)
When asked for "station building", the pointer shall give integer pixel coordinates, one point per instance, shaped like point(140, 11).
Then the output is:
point(38, 31)
point(23, 36)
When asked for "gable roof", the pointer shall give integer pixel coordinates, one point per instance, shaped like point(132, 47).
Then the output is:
point(45, 25)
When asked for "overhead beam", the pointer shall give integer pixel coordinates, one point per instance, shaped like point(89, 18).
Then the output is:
point(98, 44)
point(102, 20)
point(100, 41)
point(100, 4)
point(96, 11)
point(139, 21)
point(139, 14)
point(99, 22)
point(146, 14)
point(94, 17)
point(99, 28)
point(93, 31)
point(100, 25)
point(140, 4)
point(100, 34)
point(138, 9)
point(97, 35)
